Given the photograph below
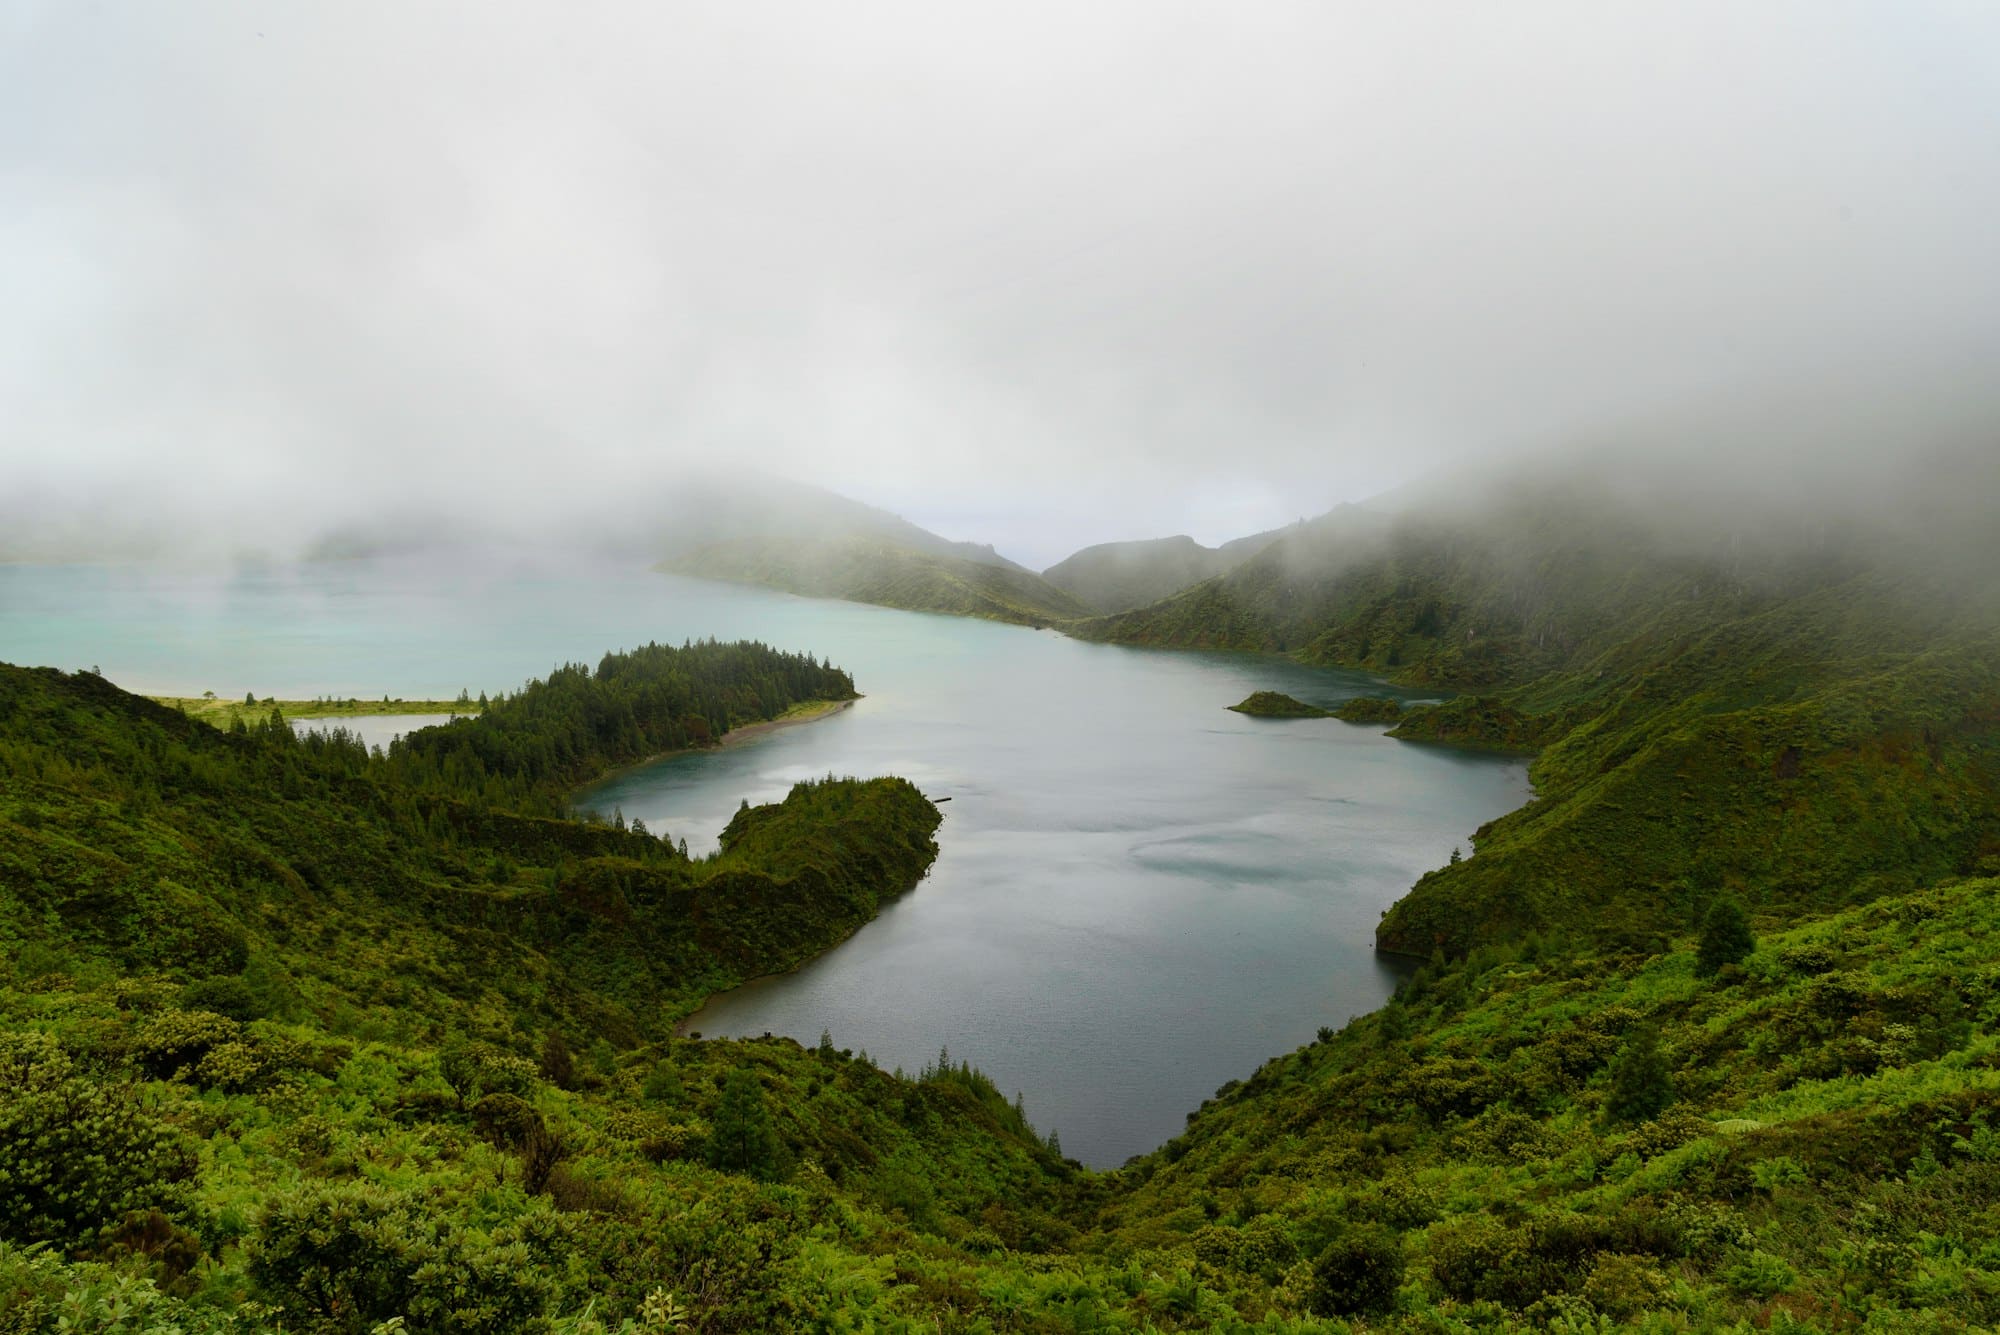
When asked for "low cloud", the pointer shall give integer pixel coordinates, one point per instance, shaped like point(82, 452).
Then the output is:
point(1033, 275)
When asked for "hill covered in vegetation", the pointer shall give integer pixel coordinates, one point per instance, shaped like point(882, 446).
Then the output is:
point(1118, 576)
point(1803, 713)
point(866, 570)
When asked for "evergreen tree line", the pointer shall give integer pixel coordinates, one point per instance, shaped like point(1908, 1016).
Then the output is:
point(531, 747)
point(526, 752)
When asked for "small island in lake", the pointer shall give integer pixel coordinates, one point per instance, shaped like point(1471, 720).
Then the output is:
point(1274, 704)
point(1369, 709)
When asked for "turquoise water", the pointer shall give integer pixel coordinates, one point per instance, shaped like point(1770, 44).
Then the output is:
point(1140, 895)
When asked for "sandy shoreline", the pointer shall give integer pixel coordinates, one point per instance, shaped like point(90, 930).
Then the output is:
point(735, 736)
point(823, 709)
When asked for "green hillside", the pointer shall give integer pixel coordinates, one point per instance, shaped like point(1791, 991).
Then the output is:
point(1532, 1139)
point(866, 570)
point(1801, 719)
point(298, 1037)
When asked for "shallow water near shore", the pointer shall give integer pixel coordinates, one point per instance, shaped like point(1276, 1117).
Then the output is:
point(1140, 895)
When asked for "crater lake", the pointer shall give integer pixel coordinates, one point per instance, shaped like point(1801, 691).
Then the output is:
point(1139, 896)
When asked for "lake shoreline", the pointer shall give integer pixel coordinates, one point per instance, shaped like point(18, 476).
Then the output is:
point(811, 712)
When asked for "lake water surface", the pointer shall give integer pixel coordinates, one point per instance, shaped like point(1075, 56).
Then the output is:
point(1139, 896)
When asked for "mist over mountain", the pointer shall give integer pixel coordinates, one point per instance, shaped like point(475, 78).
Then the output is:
point(1116, 576)
point(663, 519)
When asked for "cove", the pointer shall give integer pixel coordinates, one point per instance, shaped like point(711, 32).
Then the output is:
point(1139, 895)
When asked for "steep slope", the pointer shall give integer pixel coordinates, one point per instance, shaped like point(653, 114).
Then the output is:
point(1537, 1140)
point(1119, 576)
point(865, 570)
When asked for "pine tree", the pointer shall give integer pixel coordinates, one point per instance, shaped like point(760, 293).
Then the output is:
point(1725, 937)
point(1642, 1085)
point(740, 1139)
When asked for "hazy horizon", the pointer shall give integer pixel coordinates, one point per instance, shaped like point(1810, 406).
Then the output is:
point(1029, 276)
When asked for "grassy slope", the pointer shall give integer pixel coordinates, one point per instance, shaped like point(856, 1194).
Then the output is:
point(226, 713)
point(868, 571)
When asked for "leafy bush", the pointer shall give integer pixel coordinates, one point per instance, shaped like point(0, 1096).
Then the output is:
point(1642, 1085)
point(1761, 1275)
point(173, 1040)
point(1725, 937)
point(41, 1294)
point(347, 1256)
point(476, 1069)
point(1623, 1286)
point(230, 1066)
point(78, 1155)
point(1358, 1272)
point(225, 994)
point(506, 1120)
point(1812, 957)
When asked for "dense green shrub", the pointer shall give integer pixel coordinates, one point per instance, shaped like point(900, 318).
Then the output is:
point(477, 1069)
point(342, 1257)
point(41, 1294)
point(740, 1139)
point(1725, 937)
point(1359, 1272)
point(174, 1040)
point(1622, 1285)
point(1642, 1084)
point(224, 994)
point(506, 1120)
point(77, 1154)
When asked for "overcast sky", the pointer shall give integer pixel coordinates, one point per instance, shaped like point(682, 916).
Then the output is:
point(1034, 275)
